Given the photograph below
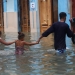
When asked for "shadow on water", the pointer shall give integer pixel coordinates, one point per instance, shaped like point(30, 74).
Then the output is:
point(39, 60)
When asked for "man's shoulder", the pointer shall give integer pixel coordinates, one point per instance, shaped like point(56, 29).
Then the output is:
point(60, 23)
point(56, 23)
point(63, 23)
point(66, 24)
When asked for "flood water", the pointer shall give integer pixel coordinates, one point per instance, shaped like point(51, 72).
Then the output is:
point(40, 59)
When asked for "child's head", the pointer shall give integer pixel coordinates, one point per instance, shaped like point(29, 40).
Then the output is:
point(21, 36)
point(0, 33)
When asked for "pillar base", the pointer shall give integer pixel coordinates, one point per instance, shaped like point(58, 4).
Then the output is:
point(10, 22)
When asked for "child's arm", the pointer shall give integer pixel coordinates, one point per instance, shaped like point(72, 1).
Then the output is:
point(26, 43)
point(6, 43)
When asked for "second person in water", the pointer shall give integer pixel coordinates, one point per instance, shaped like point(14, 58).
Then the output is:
point(19, 44)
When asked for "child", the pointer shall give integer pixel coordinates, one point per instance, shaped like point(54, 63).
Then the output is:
point(3, 42)
point(19, 44)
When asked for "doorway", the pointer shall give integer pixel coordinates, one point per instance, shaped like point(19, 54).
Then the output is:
point(1, 16)
point(48, 13)
point(24, 16)
point(45, 10)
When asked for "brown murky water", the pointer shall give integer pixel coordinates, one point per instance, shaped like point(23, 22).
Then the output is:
point(39, 60)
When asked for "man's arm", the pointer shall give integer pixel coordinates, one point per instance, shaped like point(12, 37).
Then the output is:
point(46, 33)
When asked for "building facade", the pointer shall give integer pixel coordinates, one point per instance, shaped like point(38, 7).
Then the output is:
point(10, 12)
point(32, 15)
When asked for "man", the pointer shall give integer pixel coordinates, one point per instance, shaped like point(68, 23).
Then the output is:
point(60, 29)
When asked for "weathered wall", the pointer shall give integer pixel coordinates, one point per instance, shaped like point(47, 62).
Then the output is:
point(63, 6)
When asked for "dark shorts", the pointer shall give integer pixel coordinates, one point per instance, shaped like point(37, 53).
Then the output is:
point(59, 52)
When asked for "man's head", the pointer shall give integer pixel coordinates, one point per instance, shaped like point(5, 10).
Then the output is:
point(62, 16)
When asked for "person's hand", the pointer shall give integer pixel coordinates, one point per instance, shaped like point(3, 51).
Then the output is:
point(70, 19)
point(37, 42)
point(39, 39)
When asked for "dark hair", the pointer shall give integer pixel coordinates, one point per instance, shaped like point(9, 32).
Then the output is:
point(21, 35)
point(62, 15)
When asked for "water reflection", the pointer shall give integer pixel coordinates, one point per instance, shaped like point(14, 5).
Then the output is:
point(40, 60)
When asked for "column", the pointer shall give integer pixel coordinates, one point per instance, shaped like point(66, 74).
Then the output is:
point(10, 16)
point(34, 22)
point(34, 16)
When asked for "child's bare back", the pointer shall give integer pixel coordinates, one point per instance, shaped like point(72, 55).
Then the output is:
point(19, 44)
